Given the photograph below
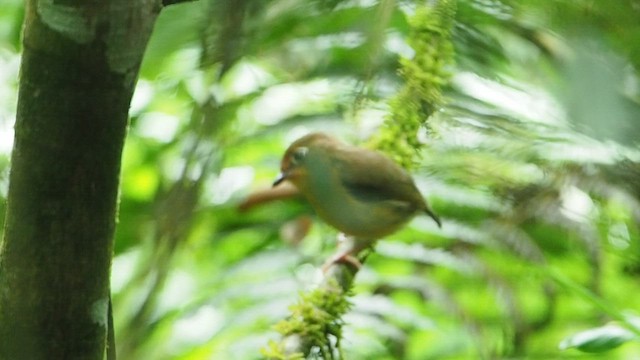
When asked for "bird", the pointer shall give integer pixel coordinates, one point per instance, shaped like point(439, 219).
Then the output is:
point(360, 192)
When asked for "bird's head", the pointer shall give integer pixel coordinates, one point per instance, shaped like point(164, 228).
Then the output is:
point(302, 155)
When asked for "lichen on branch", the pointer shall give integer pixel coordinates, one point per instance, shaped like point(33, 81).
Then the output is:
point(315, 324)
point(424, 76)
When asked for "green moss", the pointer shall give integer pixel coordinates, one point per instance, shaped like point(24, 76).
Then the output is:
point(315, 324)
point(276, 351)
point(424, 76)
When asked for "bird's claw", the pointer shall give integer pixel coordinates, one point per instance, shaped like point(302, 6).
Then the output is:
point(345, 258)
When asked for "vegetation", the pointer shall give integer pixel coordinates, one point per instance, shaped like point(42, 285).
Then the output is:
point(518, 120)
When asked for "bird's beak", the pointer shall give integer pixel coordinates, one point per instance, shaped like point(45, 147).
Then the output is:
point(281, 177)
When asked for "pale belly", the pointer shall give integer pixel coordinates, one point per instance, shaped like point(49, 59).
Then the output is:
point(371, 220)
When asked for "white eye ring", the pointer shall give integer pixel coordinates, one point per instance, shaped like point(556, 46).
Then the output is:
point(299, 154)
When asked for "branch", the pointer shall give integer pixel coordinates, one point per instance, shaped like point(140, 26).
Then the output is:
point(111, 336)
point(315, 324)
point(285, 190)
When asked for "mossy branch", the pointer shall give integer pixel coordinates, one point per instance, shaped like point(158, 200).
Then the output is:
point(424, 76)
point(315, 324)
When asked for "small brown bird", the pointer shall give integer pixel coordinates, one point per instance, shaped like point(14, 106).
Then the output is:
point(360, 192)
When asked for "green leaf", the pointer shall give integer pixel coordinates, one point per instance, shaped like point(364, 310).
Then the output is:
point(598, 340)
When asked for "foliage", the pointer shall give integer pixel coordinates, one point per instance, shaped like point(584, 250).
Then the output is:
point(599, 339)
point(530, 157)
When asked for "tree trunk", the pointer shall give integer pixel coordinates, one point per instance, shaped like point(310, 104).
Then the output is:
point(79, 67)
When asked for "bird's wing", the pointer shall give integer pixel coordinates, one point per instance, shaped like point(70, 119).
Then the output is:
point(371, 176)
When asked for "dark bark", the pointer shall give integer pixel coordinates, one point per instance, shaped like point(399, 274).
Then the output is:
point(173, 2)
point(79, 67)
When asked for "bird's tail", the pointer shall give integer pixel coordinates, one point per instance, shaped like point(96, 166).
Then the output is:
point(433, 215)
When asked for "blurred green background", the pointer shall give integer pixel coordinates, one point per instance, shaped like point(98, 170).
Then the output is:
point(531, 158)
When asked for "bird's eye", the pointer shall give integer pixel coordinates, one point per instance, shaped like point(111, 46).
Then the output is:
point(298, 155)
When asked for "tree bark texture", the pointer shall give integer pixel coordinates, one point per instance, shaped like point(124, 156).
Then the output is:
point(79, 67)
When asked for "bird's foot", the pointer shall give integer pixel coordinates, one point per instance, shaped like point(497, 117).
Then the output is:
point(345, 258)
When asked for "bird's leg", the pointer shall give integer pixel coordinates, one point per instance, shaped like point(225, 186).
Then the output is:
point(351, 247)
point(341, 257)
